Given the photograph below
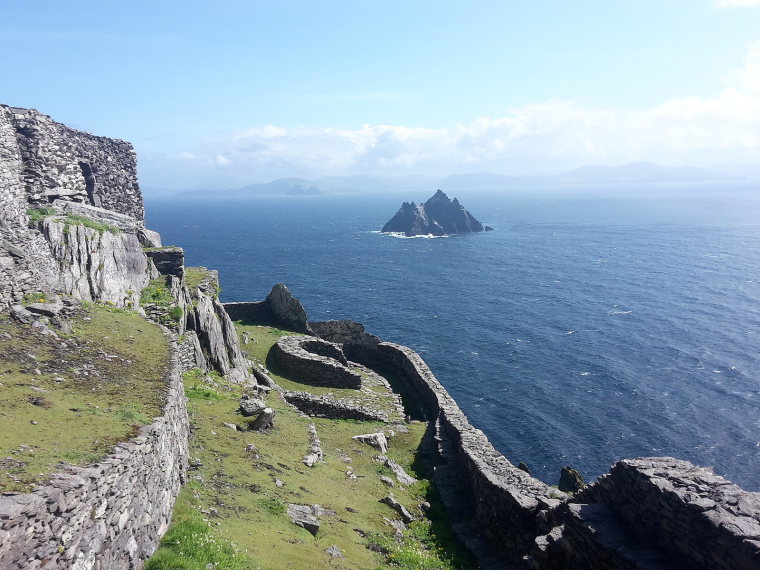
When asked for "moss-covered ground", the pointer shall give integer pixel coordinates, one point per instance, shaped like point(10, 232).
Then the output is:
point(241, 482)
point(70, 399)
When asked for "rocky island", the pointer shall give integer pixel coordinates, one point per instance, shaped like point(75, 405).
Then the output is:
point(439, 216)
point(146, 424)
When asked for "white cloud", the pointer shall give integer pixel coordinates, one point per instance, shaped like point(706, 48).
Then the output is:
point(736, 3)
point(548, 136)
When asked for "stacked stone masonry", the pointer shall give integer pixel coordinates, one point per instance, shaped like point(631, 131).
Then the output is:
point(43, 163)
point(60, 162)
point(314, 361)
point(695, 518)
point(111, 515)
point(650, 513)
point(327, 407)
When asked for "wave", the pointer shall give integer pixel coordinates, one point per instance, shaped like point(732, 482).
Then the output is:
point(401, 235)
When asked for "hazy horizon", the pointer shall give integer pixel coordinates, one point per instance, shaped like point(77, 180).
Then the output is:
point(247, 92)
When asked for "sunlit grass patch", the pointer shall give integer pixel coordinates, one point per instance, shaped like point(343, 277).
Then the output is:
point(72, 399)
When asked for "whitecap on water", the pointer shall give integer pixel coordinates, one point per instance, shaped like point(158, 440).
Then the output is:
point(401, 235)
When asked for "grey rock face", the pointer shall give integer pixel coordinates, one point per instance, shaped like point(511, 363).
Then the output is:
point(286, 309)
point(97, 266)
point(438, 216)
point(218, 337)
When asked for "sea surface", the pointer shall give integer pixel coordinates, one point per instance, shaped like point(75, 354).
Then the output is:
point(592, 325)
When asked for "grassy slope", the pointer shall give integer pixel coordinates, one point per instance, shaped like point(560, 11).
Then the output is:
point(249, 507)
point(261, 340)
point(80, 418)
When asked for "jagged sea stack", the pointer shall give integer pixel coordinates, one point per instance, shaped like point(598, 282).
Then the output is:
point(438, 216)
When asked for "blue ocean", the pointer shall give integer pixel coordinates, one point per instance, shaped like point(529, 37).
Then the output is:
point(592, 325)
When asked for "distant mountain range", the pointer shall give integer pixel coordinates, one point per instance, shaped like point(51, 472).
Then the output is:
point(634, 173)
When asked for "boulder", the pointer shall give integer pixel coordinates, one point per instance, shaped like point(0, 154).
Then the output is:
point(251, 405)
point(334, 552)
point(264, 420)
point(403, 477)
point(50, 309)
point(20, 314)
point(376, 440)
point(302, 516)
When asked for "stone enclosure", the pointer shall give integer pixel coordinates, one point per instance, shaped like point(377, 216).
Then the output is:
point(655, 513)
point(314, 361)
point(109, 515)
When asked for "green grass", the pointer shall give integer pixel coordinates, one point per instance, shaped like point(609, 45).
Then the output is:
point(251, 508)
point(162, 248)
point(176, 313)
point(261, 340)
point(80, 418)
point(35, 297)
point(192, 544)
point(39, 214)
point(156, 293)
point(194, 276)
point(77, 220)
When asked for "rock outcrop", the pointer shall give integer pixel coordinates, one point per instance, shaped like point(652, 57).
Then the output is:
point(286, 309)
point(438, 216)
point(97, 265)
point(44, 164)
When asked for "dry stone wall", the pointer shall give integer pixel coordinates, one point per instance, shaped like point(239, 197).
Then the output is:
point(42, 163)
point(109, 516)
point(58, 162)
point(314, 361)
point(650, 513)
point(327, 407)
point(253, 312)
point(695, 518)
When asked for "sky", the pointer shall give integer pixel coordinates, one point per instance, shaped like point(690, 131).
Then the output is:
point(222, 94)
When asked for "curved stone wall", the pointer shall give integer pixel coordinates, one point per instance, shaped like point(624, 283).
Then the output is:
point(655, 513)
point(111, 515)
point(314, 361)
